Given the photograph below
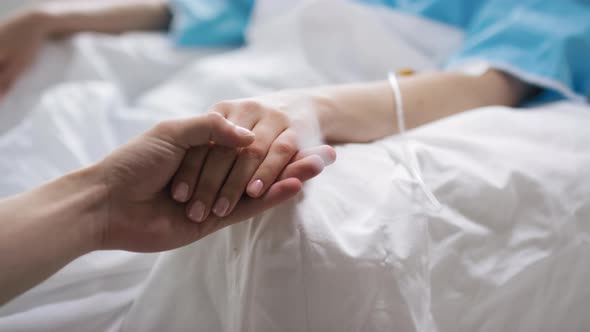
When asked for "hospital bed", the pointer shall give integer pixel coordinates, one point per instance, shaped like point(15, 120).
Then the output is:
point(362, 249)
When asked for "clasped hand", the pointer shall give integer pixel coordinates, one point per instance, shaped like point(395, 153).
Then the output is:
point(163, 185)
point(213, 179)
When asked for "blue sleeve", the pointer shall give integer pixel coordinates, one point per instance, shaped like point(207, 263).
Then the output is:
point(210, 22)
point(544, 43)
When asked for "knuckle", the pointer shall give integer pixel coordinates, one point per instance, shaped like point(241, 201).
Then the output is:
point(250, 106)
point(256, 153)
point(285, 148)
point(164, 127)
point(215, 119)
point(221, 107)
point(280, 118)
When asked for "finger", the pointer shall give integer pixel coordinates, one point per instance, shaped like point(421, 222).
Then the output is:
point(185, 179)
point(326, 152)
point(216, 170)
point(218, 165)
point(248, 161)
point(203, 129)
point(243, 113)
point(213, 174)
point(324, 155)
point(288, 185)
point(281, 151)
point(249, 207)
point(303, 169)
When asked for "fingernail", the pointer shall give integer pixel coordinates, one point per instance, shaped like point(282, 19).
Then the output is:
point(243, 131)
point(181, 192)
point(197, 212)
point(255, 188)
point(221, 206)
point(328, 159)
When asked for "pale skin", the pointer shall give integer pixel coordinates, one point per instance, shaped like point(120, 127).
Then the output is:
point(211, 182)
point(123, 202)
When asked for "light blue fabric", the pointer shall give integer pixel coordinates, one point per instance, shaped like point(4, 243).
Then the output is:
point(457, 13)
point(210, 22)
point(544, 42)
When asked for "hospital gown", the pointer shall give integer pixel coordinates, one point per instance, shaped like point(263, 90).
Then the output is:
point(544, 43)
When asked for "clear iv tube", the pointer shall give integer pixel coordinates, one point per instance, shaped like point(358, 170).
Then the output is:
point(410, 157)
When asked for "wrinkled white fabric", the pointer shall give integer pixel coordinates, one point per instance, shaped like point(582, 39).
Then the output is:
point(357, 251)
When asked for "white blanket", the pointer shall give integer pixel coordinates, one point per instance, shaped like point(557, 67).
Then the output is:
point(360, 249)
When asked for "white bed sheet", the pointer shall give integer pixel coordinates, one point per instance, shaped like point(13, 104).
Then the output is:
point(359, 250)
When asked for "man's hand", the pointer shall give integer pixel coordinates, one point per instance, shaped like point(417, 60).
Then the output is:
point(214, 180)
point(141, 213)
point(124, 202)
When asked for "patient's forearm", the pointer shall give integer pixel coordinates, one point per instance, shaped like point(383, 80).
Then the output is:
point(44, 229)
point(63, 18)
point(365, 112)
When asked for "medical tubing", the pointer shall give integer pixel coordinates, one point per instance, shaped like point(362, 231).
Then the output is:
point(410, 157)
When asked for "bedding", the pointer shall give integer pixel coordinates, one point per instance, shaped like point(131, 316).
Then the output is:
point(361, 249)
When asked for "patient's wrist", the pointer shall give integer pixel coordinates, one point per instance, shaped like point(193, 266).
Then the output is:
point(326, 109)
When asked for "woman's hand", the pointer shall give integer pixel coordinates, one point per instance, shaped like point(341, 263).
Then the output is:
point(142, 216)
point(21, 38)
point(214, 179)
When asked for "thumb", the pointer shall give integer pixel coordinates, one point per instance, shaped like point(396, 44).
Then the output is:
point(203, 129)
